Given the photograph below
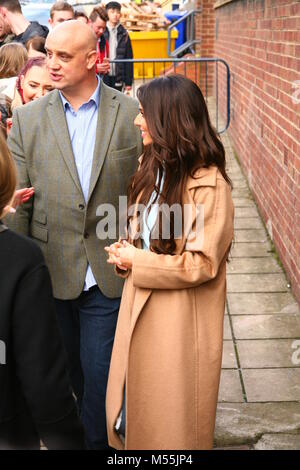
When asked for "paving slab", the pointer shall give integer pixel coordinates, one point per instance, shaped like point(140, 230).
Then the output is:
point(262, 265)
point(240, 184)
point(235, 175)
point(266, 326)
point(243, 202)
point(227, 329)
point(233, 168)
point(245, 423)
point(229, 358)
point(256, 283)
point(242, 447)
point(262, 303)
point(272, 385)
point(251, 249)
point(245, 212)
point(278, 442)
point(248, 223)
point(230, 387)
point(256, 235)
point(265, 353)
point(241, 192)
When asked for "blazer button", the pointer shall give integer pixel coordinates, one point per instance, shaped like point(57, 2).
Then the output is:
point(86, 235)
point(81, 206)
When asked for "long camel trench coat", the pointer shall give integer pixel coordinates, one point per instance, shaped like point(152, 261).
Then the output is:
point(168, 345)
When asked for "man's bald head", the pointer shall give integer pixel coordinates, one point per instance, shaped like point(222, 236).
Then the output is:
point(72, 56)
point(74, 32)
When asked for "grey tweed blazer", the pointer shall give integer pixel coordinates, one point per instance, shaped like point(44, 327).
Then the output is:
point(57, 217)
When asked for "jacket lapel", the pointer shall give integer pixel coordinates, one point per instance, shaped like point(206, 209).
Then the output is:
point(59, 126)
point(107, 114)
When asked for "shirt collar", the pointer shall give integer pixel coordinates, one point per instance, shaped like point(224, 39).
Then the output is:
point(112, 28)
point(95, 97)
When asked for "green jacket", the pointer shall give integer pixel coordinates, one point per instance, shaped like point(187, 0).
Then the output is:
point(57, 217)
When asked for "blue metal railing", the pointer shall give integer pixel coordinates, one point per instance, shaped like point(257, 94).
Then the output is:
point(151, 68)
point(190, 33)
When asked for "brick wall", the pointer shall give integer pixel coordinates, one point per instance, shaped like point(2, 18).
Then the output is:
point(205, 30)
point(260, 40)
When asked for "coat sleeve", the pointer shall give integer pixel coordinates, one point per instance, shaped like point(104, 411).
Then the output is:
point(21, 220)
point(195, 265)
point(128, 67)
point(41, 364)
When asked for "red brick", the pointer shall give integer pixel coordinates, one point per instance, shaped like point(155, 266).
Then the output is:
point(261, 46)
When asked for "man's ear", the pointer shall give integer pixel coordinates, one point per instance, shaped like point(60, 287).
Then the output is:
point(91, 59)
point(50, 21)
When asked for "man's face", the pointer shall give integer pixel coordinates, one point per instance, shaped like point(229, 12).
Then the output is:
point(68, 61)
point(98, 26)
point(114, 15)
point(60, 17)
point(4, 25)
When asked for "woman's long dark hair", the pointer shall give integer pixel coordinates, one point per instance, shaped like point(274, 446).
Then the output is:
point(183, 140)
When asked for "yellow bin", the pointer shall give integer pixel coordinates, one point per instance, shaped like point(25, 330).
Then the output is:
point(151, 45)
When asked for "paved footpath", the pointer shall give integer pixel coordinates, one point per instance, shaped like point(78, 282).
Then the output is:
point(259, 398)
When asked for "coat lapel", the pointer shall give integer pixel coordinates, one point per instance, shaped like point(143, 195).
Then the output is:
point(107, 114)
point(59, 126)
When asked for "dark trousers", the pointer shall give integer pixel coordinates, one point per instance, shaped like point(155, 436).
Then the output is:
point(110, 80)
point(88, 327)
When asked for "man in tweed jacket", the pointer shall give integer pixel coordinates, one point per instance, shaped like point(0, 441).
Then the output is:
point(77, 147)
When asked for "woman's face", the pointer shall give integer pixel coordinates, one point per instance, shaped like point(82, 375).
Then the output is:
point(140, 122)
point(36, 83)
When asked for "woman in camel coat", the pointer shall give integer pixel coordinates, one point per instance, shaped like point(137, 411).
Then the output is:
point(166, 361)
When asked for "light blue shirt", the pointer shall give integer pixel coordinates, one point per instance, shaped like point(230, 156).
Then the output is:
point(82, 127)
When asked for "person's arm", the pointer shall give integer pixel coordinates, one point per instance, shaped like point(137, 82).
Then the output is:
point(201, 260)
point(21, 220)
point(128, 67)
point(41, 364)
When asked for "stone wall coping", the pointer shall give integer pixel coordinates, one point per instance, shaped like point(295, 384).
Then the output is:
point(221, 3)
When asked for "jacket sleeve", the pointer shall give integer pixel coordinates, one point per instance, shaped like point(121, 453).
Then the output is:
point(201, 262)
point(41, 364)
point(20, 221)
point(128, 67)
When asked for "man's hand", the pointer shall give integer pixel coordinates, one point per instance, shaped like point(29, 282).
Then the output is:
point(127, 89)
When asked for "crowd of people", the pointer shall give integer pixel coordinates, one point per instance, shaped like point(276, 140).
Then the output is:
point(19, 35)
point(111, 342)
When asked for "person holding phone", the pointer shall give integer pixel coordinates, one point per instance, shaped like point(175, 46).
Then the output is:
point(166, 362)
point(97, 22)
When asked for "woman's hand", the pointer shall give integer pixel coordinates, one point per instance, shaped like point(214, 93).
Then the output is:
point(121, 254)
point(20, 196)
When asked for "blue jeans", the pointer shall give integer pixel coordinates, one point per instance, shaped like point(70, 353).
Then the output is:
point(88, 327)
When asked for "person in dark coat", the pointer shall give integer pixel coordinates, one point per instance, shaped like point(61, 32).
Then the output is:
point(120, 76)
point(36, 401)
point(11, 14)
